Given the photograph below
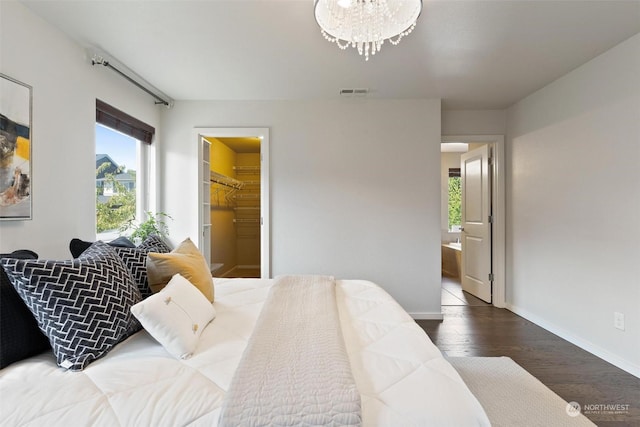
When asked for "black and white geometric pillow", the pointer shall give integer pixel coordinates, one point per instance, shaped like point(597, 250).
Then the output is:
point(83, 306)
point(156, 243)
point(136, 261)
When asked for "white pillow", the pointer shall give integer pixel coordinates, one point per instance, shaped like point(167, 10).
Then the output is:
point(176, 316)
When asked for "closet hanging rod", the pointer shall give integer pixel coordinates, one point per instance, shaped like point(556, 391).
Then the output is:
point(226, 184)
point(225, 180)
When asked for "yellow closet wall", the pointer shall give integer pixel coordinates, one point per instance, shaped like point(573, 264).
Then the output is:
point(223, 233)
point(248, 232)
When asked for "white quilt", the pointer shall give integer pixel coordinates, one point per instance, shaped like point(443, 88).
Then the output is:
point(401, 376)
point(298, 357)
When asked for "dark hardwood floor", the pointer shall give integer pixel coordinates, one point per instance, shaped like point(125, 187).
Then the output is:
point(572, 373)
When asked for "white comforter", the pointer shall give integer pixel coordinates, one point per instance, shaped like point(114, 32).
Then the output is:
point(402, 377)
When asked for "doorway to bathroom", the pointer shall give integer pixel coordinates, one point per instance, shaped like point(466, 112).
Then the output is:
point(472, 202)
point(454, 291)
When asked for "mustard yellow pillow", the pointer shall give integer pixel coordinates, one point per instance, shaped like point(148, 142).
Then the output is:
point(185, 260)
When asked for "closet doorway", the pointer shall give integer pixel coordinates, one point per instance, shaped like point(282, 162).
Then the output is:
point(235, 200)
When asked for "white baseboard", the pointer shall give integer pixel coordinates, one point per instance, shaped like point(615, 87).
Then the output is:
point(426, 316)
point(580, 342)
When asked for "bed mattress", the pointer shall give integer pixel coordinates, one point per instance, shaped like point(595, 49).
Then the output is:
point(402, 377)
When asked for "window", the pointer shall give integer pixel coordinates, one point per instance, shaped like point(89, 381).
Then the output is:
point(455, 199)
point(121, 146)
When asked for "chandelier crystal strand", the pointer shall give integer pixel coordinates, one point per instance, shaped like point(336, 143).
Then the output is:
point(366, 24)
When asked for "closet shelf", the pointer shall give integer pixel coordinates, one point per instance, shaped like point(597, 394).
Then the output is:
point(247, 220)
point(247, 169)
point(227, 181)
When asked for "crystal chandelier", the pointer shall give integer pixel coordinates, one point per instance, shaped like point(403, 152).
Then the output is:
point(366, 24)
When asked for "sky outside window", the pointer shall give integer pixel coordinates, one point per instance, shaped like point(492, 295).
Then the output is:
point(121, 148)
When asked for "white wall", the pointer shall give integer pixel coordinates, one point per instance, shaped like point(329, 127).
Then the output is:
point(65, 87)
point(573, 150)
point(474, 122)
point(355, 186)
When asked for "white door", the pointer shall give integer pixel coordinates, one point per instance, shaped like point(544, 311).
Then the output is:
point(476, 222)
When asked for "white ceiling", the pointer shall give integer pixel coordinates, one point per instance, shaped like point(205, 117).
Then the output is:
point(473, 54)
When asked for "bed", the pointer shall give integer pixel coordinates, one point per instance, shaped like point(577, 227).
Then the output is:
point(402, 378)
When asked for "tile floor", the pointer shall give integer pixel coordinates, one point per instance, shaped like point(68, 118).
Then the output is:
point(244, 272)
point(452, 294)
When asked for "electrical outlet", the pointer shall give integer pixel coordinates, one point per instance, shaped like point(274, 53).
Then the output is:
point(618, 320)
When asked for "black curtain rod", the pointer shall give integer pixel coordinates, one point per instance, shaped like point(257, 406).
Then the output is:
point(159, 101)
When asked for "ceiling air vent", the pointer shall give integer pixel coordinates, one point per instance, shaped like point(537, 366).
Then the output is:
point(354, 92)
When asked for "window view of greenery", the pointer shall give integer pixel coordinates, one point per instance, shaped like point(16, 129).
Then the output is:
point(116, 159)
point(455, 199)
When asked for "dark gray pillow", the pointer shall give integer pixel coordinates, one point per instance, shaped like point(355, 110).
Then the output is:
point(77, 246)
point(20, 337)
point(82, 305)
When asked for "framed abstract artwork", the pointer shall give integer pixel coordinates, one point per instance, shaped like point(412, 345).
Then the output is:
point(15, 149)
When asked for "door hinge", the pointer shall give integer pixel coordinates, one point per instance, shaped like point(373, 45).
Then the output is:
point(490, 219)
point(491, 277)
point(490, 161)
